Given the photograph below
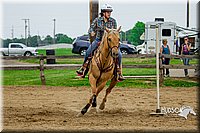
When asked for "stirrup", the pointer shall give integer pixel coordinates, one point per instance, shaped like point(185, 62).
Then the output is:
point(85, 71)
point(120, 78)
point(80, 71)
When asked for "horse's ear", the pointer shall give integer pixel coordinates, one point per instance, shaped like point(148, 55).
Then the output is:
point(119, 28)
point(107, 30)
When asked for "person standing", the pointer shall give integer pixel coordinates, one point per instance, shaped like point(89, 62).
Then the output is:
point(165, 50)
point(185, 51)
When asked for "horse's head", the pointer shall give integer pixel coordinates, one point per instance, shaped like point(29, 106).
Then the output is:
point(192, 112)
point(113, 39)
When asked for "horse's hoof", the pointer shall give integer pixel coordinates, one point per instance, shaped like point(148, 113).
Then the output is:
point(102, 106)
point(94, 101)
point(93, 110)
point(83, 111)
point(94, 104)
point(79, 115)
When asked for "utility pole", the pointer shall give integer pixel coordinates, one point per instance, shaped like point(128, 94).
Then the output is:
point(29, 34)
point(125, 35)
point(25, 20)
point(12, 32)
point(54, 30)
point(38, 39)
point(94, 9)
point(188, 15)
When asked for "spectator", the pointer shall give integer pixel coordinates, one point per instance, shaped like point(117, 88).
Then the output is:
point(185, 51)
point(165, 50)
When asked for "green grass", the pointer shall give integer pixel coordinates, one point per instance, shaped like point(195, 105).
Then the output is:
point(125, 61)
point(58, 52)
point(68, 78)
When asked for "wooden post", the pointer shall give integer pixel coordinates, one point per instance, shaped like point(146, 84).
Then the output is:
point(157, 69)
point(94, 9)
point(42, 77)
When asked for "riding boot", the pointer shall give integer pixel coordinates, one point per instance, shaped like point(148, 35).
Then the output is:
point(84, 69)
point(120, 76)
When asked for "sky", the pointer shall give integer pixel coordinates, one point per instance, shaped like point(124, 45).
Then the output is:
point(72, 18)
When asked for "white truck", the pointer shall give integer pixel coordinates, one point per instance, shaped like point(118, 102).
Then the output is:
point(18, 49)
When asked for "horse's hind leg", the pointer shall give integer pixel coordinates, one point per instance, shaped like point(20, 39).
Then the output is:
point(108, 90)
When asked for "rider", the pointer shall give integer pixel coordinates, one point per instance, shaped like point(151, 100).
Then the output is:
point(97, 28)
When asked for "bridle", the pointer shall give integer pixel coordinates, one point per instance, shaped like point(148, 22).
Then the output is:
point(110, 48)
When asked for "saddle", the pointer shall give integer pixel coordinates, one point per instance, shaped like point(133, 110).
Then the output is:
point(87, 67)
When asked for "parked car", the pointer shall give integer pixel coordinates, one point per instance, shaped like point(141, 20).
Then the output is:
point(81, 44)
point(18, 49)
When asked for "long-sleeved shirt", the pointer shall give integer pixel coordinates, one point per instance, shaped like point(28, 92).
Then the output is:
point(98, 26)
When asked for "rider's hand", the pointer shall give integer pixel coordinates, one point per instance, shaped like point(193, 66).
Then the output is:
point(92, 34)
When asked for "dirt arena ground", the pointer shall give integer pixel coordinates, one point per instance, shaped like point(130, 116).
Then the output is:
point(55, 108)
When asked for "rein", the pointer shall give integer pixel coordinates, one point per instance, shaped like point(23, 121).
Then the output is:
point(99, 64)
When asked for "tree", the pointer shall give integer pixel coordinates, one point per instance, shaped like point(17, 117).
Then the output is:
point(34, 40)
point(48, 40)
point(133, 35)
point(61, 38)
point(16, 40)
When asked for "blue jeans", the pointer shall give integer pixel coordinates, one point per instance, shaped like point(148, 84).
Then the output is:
point(94, 46)
point(186, 62)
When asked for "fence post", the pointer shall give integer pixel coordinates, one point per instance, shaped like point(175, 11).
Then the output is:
point(161, 71)
point(42, 77)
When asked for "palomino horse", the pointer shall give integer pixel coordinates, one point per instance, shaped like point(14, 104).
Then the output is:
point(103, 67)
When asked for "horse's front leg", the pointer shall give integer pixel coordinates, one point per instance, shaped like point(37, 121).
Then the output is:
point(87, 106)
point(92, 99)
point(93, 81)
point(108, 90)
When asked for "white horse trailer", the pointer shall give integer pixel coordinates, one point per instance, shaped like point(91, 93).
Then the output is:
point(166, 30)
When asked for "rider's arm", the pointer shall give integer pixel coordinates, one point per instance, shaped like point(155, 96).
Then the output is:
point(114, 24)
point(93, 26)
